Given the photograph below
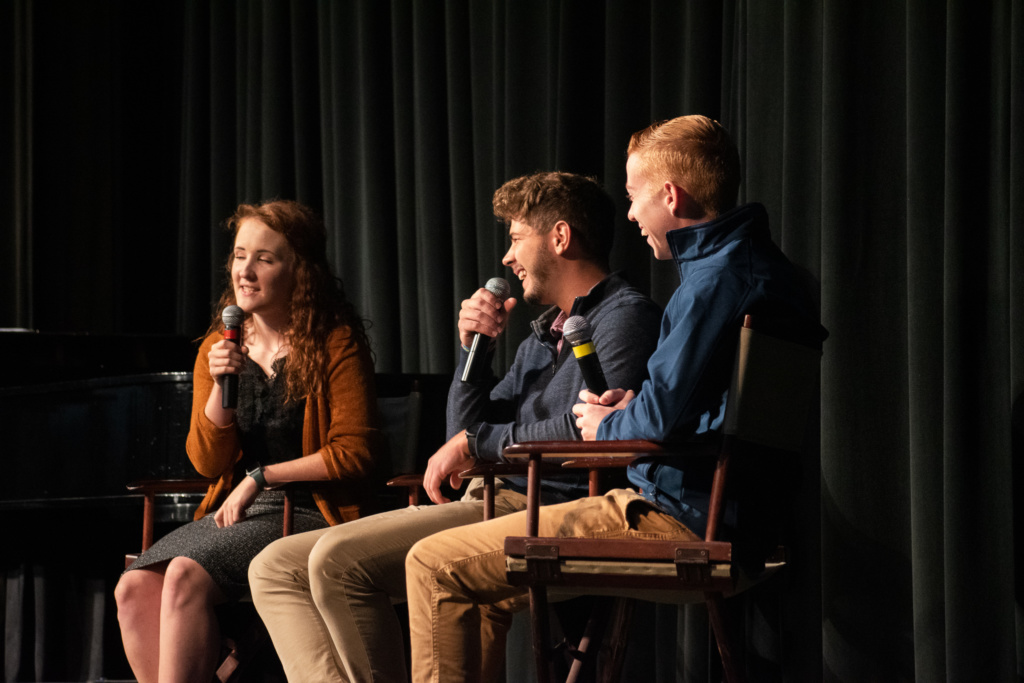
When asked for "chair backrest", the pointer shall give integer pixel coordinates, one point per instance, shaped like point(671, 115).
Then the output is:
point(400, 423)
point(773, 382)
point(412, 409)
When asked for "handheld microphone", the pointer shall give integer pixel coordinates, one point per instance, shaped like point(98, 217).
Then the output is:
point(498, 286)
point(232, 316)
point(578, 333)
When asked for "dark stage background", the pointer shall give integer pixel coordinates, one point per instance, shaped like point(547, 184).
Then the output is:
point(883, 136)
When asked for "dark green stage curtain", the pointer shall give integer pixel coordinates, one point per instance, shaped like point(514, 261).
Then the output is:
point(883, 137)
point(399, 121)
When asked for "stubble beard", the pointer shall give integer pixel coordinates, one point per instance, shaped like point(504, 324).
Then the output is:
point(541, 273)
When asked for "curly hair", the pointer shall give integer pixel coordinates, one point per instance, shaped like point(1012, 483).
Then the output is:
point(542, 199)
point(694, 152)
point(318, 303)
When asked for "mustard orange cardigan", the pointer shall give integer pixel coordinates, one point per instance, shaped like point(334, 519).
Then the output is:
point(340, 423)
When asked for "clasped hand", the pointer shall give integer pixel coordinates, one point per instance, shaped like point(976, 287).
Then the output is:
point(593, 409)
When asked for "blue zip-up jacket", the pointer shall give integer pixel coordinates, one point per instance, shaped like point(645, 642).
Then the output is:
point(534, 400)
point(728, 267)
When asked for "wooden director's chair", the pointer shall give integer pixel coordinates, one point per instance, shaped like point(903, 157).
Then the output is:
point(774, 386)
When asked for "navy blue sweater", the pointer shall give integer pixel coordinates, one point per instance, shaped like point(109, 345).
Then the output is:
point(534, 400)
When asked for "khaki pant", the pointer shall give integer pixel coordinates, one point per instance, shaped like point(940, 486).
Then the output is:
point(326, 596)
point(460, 605)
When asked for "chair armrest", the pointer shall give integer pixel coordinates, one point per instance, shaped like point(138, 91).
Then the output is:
point(606, 453)
point(605, 462)
point(484, 469)
point(193, 485)
point(406, 480)
point(410, 482)
point(564, 450)
point(478, 470)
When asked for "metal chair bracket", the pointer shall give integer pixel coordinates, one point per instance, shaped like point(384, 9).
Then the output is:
point(542, 561)
point(693, 564)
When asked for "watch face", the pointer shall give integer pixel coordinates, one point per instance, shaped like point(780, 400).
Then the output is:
point(256, 474)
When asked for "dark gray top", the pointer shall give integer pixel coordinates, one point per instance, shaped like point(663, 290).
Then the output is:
point(534, 400)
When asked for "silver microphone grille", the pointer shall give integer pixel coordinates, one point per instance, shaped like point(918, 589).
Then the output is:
point(576, 330)
point(232, 316)
point(499, 287)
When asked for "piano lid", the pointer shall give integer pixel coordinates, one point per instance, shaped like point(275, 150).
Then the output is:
point(42, 357)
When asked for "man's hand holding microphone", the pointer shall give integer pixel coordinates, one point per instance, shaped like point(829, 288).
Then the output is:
point(482, 317)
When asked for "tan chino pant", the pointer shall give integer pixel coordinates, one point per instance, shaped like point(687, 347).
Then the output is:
point(461, 606)
point(327, 596)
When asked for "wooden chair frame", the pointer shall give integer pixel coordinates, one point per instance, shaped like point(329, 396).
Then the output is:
point(773, 385)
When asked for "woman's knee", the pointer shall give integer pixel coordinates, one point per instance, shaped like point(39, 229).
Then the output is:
point(138, 591)
point(129, 589)
point(186, 582)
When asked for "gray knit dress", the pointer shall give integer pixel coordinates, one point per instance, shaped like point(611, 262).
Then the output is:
point(269, 431)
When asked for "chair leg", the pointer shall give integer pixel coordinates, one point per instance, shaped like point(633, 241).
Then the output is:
point(288, 523)
point(488, 497)
point(587, 653)
point(230, 663)
point(621, 620)
point(541, 633)
point(249, 654)
point(148, 519)
point(731, 667)
point(600, 654)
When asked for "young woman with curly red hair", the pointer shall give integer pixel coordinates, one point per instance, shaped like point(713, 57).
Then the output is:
point(306, 412)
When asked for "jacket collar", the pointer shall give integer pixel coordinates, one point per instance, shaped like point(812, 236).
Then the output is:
point(702, 240)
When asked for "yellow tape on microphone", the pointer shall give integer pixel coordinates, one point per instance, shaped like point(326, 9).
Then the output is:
point(584, 349)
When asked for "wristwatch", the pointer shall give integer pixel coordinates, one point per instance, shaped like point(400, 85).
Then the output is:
point(256, 473)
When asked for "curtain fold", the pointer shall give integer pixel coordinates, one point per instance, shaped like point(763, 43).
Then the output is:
point(976, 320)
point(926, 30)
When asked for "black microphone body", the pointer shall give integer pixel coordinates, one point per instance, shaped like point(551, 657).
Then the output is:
point(578, 333)
point(232, 317)
point(499, 287)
